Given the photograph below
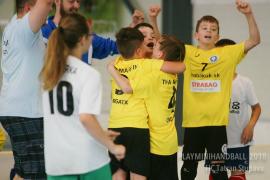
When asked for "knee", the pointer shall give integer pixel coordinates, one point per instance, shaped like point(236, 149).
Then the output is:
point(119, 175)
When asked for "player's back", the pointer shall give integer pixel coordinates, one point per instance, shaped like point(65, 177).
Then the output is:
point(74, 94)
point(128, 110)
point(160, 105)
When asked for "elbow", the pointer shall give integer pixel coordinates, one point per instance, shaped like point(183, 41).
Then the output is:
point(256, 41)
point(83, 118)
point(86, 118)
point(259, 109)
point(182, 69)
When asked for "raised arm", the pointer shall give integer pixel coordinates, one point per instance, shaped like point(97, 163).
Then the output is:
point(254, 34)
point(39, 13)
point(57, 15)
point(103, 47)
point(137, 17)
point(120, 80)
point(153, 13)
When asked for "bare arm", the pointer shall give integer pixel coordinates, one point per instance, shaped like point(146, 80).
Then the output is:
point(124, 84)
point(39, 13)
point(120, 80)
point(137, 18)
point(173, 67)
point(247, 133)
point(153, 14)
point(57, 15)
point(92, 126)
point(254, 34)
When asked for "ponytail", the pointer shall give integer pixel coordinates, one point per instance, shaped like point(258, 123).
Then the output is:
point(55, 60)
point(61, 42)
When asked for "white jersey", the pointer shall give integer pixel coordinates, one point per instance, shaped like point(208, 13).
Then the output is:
point(243, 96)
point(22, 60)
point(69, 149)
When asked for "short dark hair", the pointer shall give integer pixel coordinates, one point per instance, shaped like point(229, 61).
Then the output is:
point(143, 25)
point(20, 4)
point(207, 18)
point(128, 40)
point(173, 48)
point(224, 42)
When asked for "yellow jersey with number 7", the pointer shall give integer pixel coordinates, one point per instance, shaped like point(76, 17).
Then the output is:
point(207, 84)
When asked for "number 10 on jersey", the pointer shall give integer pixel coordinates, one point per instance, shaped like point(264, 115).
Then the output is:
point(64, 98)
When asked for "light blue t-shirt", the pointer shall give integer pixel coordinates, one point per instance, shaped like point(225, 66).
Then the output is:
point(22, 60)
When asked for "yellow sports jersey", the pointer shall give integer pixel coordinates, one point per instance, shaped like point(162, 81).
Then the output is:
point(207, 84)
point(2, 138)
point(160, 103)
point(128, 110)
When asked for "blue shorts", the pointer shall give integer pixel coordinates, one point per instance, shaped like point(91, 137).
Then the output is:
point(236, 159)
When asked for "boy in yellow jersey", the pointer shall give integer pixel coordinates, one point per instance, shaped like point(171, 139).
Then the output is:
point(128, 114)
point(207, 90)
point(160, 97)
point(2, 138)
point(160, 89)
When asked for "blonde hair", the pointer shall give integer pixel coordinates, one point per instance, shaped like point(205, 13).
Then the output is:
point(61, 42)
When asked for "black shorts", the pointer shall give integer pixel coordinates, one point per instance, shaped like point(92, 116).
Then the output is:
point(26, 136)
point(137, 158)
point(163, 167)
point(211, 138)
